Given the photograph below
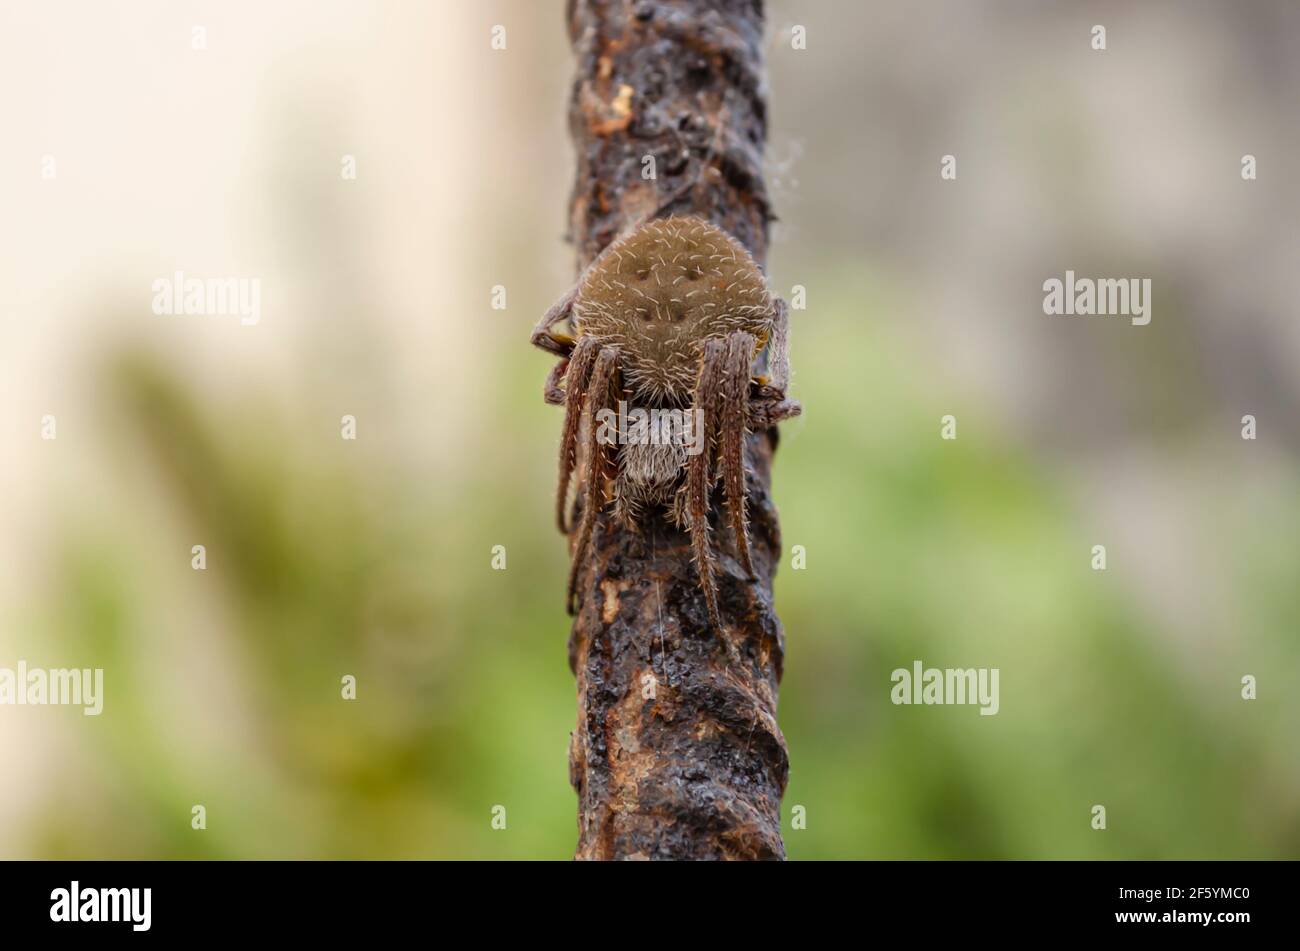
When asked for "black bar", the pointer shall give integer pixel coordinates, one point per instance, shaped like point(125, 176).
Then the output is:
point(334, 899)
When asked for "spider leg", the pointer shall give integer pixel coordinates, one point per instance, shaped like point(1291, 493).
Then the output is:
point(602, 375)
point(769, 404)
point(580, 364)
point(735, 396)
point(559, 344)
point(697, 475)
point(766, 412)
point(773, 385)
point(779, 352)
point(627, 505)
point(552, 392)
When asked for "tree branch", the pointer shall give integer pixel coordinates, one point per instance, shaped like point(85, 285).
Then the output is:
point(677, 752)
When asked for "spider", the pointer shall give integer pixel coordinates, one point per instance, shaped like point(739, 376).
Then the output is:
point(672, 314)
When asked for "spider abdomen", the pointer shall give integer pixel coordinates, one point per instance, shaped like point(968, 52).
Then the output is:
point(661, 291)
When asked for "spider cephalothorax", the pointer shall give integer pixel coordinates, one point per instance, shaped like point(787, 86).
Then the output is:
point(669, 317)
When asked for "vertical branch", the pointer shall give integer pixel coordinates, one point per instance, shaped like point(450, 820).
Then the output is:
point(677, 752)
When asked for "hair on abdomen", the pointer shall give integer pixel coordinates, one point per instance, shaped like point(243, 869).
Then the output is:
point(663, 290)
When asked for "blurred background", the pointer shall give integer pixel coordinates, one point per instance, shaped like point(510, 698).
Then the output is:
point(373, 557)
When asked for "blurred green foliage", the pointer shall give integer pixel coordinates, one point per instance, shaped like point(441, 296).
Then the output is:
point(325, 561)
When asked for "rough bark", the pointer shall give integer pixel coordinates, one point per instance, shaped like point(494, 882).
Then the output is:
point(677, 752)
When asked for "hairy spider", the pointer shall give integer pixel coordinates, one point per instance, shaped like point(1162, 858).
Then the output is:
point(670, 315)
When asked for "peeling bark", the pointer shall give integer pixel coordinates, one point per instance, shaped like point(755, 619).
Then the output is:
point(677, 752)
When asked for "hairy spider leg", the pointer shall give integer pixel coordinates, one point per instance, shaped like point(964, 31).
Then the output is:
point(737, 365)
point(598, 397)
point(766, 413)
point(771, 405)
point(580, 364)
point(559, 344)
point(552, 391)
point(778, 355)
point(697, 474)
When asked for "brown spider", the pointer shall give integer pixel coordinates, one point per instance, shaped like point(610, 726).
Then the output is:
point(670, 315)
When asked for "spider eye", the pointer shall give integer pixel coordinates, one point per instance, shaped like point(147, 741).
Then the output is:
point(643, 274)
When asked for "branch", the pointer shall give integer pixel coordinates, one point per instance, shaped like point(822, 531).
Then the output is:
point(677, 752)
